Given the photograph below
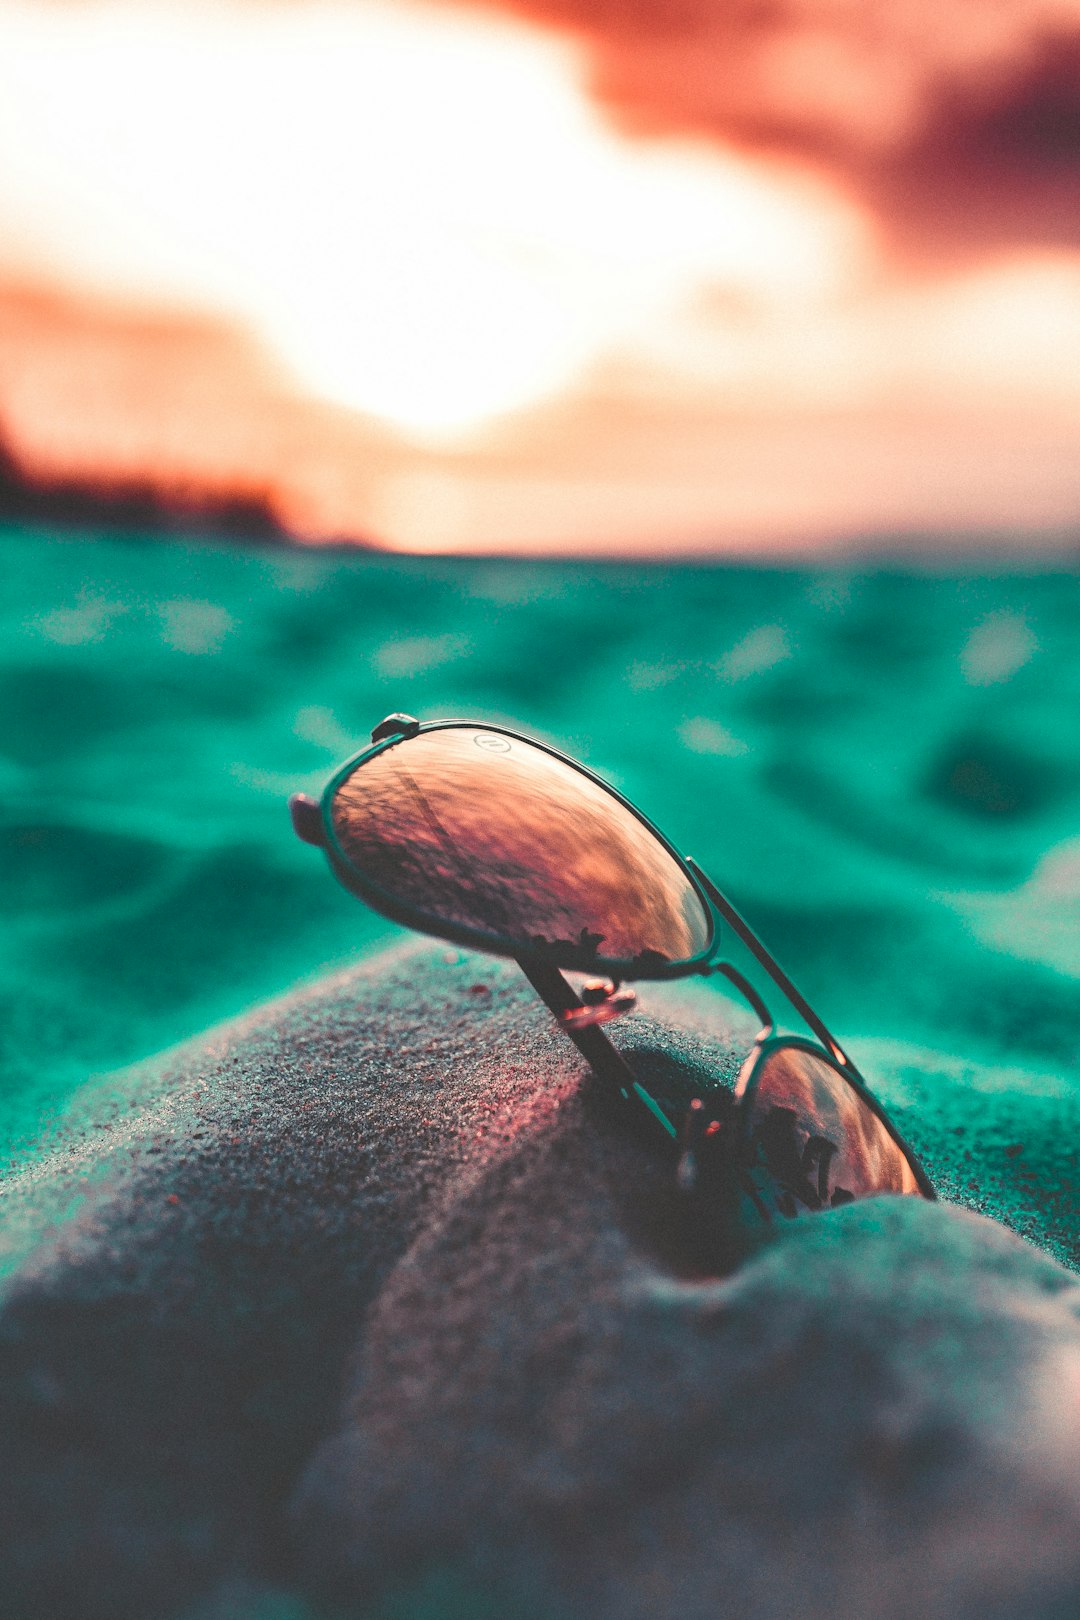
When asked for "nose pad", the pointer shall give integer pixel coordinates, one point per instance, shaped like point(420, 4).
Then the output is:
point(602, 1002)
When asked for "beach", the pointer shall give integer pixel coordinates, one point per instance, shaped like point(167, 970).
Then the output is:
point(218, 1253)
point(370, 1304)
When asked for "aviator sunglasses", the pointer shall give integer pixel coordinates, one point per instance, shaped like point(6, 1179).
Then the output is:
point(489, 839)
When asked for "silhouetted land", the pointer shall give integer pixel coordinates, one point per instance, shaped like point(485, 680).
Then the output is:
point(141, 506)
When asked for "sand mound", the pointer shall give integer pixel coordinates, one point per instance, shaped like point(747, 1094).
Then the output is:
point(369, 1301)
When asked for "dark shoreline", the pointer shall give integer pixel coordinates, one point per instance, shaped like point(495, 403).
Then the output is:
point(144, 507)
point(141, 506)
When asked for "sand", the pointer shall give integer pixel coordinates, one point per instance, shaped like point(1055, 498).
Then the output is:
point(878, 765)
point(368, 1304)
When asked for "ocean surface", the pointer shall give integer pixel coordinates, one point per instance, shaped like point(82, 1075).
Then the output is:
point(881, 765)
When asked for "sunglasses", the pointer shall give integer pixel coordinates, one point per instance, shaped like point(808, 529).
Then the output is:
point(489, 839)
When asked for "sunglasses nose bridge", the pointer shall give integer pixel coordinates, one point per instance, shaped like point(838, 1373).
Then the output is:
point(749, 994)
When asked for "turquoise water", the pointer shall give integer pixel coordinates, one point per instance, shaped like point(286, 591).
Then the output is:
point(881, 766)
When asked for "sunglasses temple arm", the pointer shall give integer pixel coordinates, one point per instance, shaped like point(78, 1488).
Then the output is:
point(595, 1047)
point(769, 963)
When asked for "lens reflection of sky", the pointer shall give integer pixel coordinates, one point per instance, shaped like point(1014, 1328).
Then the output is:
point(813, 1142)
point(493, 834)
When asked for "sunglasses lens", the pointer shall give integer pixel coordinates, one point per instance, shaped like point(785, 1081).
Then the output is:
point(812, 1143)
point(487, 832)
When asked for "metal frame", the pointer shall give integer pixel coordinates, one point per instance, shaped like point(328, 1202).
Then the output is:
point(314, 823)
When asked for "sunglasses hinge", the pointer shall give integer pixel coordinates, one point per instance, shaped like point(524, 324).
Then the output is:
point(395, 725)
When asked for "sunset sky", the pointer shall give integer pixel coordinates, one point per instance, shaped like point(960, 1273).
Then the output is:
point(677, 275)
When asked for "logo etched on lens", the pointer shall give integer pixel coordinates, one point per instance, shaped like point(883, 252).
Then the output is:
point(490, 744)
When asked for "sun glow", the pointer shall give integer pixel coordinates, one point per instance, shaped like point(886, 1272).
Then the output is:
point(385, 266)
point(419, 212)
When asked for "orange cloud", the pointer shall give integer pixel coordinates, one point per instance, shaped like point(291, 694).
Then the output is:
point(626, 463)
point(95, 393)
point(958, 123)
point(390, 272)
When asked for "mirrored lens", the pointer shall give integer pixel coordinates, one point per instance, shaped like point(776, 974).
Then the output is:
point(488, 832)
point(812, 1143)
